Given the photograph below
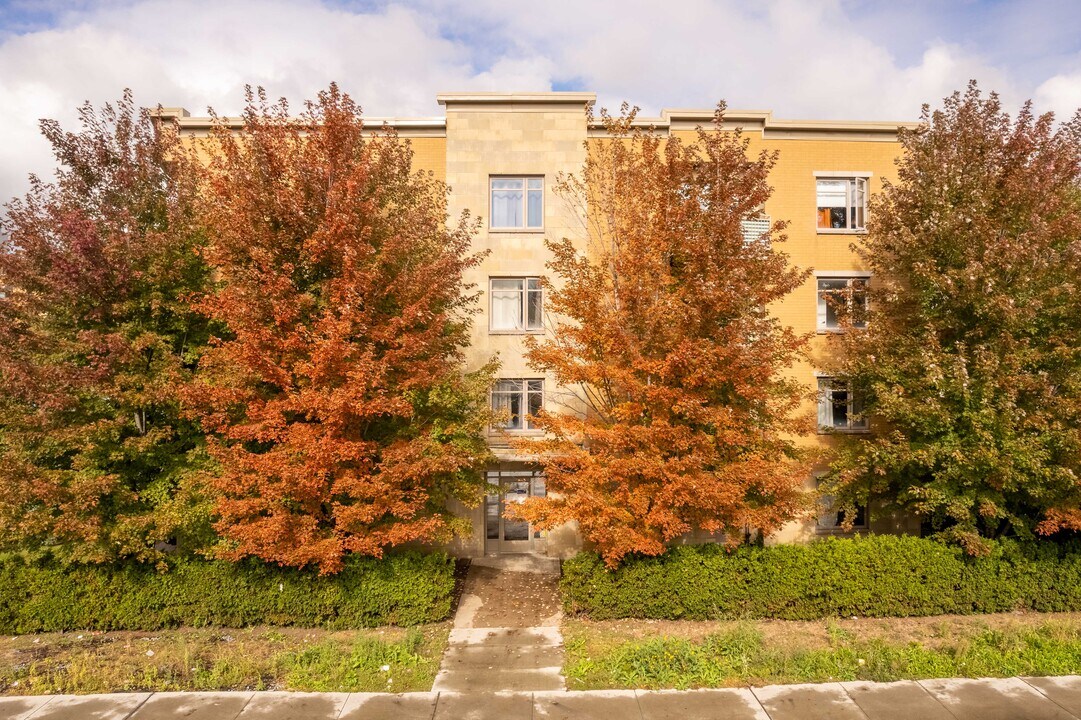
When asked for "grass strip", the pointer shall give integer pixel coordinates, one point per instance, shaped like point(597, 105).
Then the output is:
point(749, 653)
point(392, 659)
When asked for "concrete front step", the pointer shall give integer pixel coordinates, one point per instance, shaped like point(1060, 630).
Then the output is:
point(483, 680)
point(516, 637)
point(501, 657)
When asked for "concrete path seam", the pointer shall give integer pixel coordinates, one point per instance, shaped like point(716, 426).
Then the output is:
point(853, 701)
point(38, 709)
point(251, 696)
point(344, 705)
point(938, 700)
point(935, 696)
point(137, 707)
point(1043, 694)
point(435, 706)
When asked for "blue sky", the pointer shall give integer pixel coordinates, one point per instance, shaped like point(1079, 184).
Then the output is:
point(858, 59)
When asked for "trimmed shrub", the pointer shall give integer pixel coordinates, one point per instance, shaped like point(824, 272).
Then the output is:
point(872, 576)
point(401, 589)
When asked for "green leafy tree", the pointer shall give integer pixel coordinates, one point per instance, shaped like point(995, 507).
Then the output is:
point(96, 333)
point(970, 366)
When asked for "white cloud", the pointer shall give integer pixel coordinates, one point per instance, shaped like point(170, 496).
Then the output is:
point(800, 58)
point(183, 52)
point(1061, 93)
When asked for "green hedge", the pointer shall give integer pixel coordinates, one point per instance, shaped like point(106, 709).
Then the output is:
point(874, 576)
point(401, 589)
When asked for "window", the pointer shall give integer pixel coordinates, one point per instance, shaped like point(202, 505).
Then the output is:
point(516, 304)
point(830, 519)
point(514, 400)
point(517, 202)
point(839, 408)
point(842, 297)
point(755, 229)
point(842, 203)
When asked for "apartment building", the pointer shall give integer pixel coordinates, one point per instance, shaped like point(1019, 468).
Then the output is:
point(501, 155)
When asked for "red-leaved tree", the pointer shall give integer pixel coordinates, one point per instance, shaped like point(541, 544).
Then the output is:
point(663, 337)
point(97, 332)
point(336, 402)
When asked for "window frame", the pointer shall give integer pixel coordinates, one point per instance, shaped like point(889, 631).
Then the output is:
point(856, 181)
point(835, 528)
point(525, 227)
point(822, 307)
point(524, 298)
point(523, 392)
point(825, 406)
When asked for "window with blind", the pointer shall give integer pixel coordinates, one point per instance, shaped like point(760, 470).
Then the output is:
point(842, 203)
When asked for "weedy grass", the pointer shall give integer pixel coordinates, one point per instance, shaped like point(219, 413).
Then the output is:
point(752, 653)
point(390, 659)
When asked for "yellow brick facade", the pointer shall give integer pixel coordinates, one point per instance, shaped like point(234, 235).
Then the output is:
point(544, 135)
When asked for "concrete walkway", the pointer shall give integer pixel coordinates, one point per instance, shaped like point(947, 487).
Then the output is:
point(1003, 699)
point(506, 631)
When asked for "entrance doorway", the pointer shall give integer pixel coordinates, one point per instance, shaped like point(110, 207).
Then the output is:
point(508, 485)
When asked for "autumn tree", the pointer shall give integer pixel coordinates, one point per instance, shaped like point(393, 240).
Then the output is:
point(96, 333)
point(663, 340)
point(335, 400)
point(971, 361)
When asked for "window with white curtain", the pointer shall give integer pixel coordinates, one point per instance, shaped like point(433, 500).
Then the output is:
point(516, 304)
point(839, 407)
point(830, 519)
point(517, 203)
point(514, 401)
point(842, 203)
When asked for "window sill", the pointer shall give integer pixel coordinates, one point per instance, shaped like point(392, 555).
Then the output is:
point(840, 231)
point(840, 531)
point(515, 332)
point(844, 431)
point(516, 231)
point(835, 331)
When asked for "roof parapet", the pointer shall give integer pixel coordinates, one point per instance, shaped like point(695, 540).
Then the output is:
point(671, 119)
point(684, 119)
point(510, 102)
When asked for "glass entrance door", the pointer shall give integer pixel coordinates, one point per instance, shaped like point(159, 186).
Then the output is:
point(507, 487)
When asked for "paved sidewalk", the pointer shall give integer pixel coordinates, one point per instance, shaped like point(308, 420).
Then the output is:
point(989, 699)
point(506, 630)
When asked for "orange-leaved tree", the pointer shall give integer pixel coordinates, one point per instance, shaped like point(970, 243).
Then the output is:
point(662, 337)
point(336, 402)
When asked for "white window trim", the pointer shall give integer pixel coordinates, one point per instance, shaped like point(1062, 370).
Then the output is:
point(830, 429)
point(820, 327)
point(525, 306)
point(844, 175)
point(835, 529)
point(830, 174)
point(524, 430)
point(525, 204)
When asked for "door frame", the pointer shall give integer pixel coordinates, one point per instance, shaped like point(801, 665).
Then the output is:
point(499, 479)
